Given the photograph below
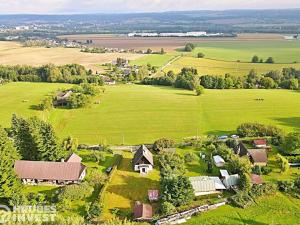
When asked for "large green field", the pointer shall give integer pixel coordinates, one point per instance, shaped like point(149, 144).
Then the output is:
point(141, 114)
point(233, 57)
point(281, 51)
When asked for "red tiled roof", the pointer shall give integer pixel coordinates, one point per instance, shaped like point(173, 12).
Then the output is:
point(256, 179)
point(142, 211)
point(74, 158)
point(41, 170)
point(260, 142)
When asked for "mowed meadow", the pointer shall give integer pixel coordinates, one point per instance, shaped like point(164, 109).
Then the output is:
point(234, 57)
point(134, 114)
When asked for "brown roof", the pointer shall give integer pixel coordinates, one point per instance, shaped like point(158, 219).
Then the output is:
point(74, 158)
point(258, 155)
point(256, 179)
point(40, 170)
point(142, 211)
point(143, 151)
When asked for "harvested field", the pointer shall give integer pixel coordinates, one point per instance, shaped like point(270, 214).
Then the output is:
point(168, 43)
point(12, 53)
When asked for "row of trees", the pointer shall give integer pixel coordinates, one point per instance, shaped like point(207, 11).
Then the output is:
point(71, 73)
point(256, 59)
point(288, 78)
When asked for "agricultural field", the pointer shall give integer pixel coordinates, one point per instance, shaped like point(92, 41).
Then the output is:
point(12, 53)
point(216, 67)
point(134, 114)
point(155, 59)
point(232, 57)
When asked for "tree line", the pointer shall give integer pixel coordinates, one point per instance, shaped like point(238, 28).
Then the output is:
point(188, 78)
point(70, 73)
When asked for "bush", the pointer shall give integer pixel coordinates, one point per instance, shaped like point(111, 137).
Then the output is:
point(259, 130)
point(291, 144)
point(200, 55)
point(160, 144)
point(199, 90)
point(266, 170)
point(167, 208)
point(189, 47)
point(285, 186)
point(190, 157)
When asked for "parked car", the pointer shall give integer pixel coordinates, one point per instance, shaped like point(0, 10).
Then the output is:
point(234, 136)
point(108, 170)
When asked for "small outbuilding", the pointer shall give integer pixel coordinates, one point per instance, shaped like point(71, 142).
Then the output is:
point(153, 195)
point(258, 157)
point(143, 160)
point(204, 185)
point(219, 161)
point(240, 149)
point(142, 212)
point(256, 179)
point(231, 181)
point(260, 143)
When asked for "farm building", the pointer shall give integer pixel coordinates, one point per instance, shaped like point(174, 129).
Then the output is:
point(219, 161)
point(142, 212)
point(153, 195)
point(143, 160)
point(35, 172)
point(258, 157)
point(261, 143)
point(240, 149)
point(204, 185)
point(256, 179)
point(61, 98)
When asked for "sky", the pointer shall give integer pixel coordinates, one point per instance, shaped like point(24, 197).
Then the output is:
point(122, 6)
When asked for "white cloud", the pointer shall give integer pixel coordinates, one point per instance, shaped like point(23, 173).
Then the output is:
point(75, 6)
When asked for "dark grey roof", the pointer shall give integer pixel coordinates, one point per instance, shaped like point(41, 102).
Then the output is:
point(143, 151)
point(240, 149)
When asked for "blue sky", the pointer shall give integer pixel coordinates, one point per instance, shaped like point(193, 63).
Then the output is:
point(116, 6)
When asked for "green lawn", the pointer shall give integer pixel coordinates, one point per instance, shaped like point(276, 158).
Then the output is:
point(128, 186)
point(278, 209)
point(281, 51)
point(155, 59)
point(140, 114)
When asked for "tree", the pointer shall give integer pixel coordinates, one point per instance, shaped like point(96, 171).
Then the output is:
point(291, 144)
point(167, 208)
point(190, 157)
point(244, 182)
point(283, 162)
point(162, 51)
point(199, 90)
point(70, 144)
point(189, 47)
point(270, 60)
point(46, 104)
point(171, 165)
point(177, 190)
point(9, 183)
point(160, 144)
point(268, 83)
point(255, 59)
point(239, 165)
point(143, 72)
point(35, 139)
point(200, 55)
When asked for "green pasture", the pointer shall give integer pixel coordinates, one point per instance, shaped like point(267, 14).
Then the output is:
point(217, 67)
point(278, 209)
point(155, 59)
point(133, 114)
point(281, 51)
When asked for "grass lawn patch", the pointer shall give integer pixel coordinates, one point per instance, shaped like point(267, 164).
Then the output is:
point(128, 186)
point(277, 209)
point(155, 59)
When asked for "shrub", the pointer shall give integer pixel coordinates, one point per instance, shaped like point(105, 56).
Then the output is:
point(200, 55)
point(190, 157)
point(291, 144)
point(199, 90)
point(160, 144)
point(167, 208)
point(285, 186)
point(258, 130)
point(266, 170)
